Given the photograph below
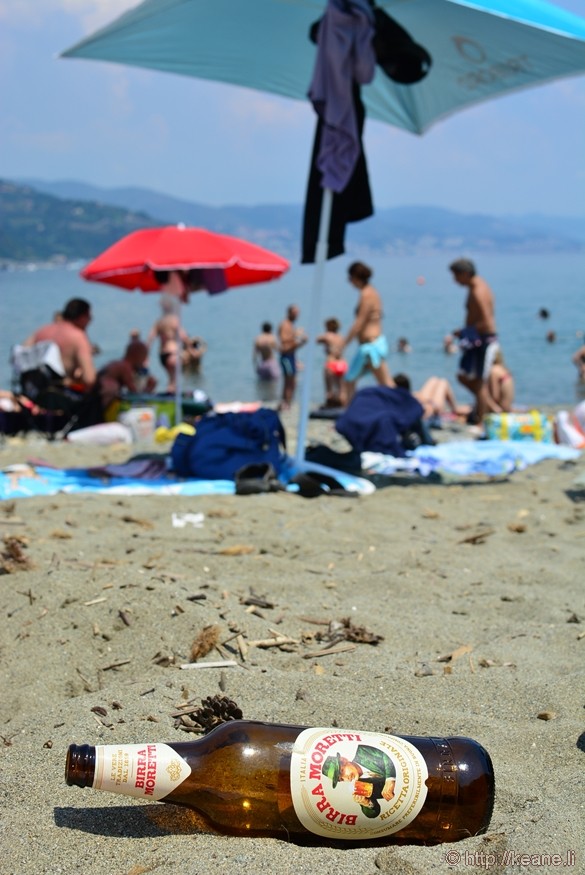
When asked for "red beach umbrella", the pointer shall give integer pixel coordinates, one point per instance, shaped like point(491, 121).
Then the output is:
point(224, 261)
point(221, 262)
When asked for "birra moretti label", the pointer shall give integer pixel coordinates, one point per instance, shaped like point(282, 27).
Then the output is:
point(356, 785)
point(147, 771)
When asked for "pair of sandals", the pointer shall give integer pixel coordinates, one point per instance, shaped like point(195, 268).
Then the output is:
point(260, 478)
point(257, 478)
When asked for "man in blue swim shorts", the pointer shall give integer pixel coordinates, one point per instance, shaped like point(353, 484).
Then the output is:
point(367, 329)
point(478, 339)
point(290, 339)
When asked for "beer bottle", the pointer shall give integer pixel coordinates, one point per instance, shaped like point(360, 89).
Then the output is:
point(247, 777)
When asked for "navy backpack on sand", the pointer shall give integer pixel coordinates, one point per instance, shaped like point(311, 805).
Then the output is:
point(225, 442)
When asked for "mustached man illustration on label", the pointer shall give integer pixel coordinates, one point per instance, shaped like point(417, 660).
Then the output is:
point(372, 772)
point(356, 785)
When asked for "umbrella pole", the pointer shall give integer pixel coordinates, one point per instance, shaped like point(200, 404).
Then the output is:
point(315, 315)
point(178, 372)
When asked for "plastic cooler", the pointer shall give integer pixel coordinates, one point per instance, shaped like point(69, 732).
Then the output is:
point(163, 406)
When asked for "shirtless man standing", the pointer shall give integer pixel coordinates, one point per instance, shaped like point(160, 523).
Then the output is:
point(290, 339)
point(367, 329)
point(478, 339)
point(75, 347)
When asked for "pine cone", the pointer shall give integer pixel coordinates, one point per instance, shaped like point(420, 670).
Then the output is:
point(215, 710)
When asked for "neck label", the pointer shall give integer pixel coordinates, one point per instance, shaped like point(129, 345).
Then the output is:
point(356, 785)
point(146, 771)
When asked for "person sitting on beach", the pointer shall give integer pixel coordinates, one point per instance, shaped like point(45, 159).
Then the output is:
point(436, 396)
point(13, 403)
point(500, 386)
point(264, 354)
point(69, 333)
point(335, 366)
point(127, 373)
point(193, 355)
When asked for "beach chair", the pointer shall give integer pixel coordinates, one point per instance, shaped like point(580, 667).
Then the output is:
point(36, 368)
point(48, 406)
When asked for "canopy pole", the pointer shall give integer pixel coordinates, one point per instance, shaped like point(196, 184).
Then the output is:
point(314, 317)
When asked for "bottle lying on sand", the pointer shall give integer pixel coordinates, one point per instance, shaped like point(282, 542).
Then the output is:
point(255, 778)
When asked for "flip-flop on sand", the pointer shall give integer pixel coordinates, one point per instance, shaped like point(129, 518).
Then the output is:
point(312, 484)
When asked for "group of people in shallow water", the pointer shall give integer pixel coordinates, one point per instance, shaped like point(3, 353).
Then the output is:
point(482, 370)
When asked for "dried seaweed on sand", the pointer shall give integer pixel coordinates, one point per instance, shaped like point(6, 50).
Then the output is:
point(205, 642)
point(12, 556)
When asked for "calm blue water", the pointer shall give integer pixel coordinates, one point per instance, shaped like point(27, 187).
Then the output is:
point(423, 313)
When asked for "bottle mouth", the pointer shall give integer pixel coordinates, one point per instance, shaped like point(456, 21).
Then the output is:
point(79, 765)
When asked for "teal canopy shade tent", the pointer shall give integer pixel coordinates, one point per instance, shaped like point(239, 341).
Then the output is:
point(478, 49)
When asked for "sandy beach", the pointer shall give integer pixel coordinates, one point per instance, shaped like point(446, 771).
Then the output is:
point(473, 588)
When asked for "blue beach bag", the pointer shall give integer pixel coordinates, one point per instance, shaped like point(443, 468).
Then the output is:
point(225, 442)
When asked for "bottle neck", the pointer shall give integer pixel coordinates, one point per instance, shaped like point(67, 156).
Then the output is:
point(80, 765)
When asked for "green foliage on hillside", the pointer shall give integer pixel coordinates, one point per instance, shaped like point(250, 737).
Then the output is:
point(36, 227)
point(69, 221)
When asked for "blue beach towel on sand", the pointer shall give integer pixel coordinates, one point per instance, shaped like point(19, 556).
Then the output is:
point(492, 458)
point(140, 478)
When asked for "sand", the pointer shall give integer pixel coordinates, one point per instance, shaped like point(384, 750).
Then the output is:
point(489, 572)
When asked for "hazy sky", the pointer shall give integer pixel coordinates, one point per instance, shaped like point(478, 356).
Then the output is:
point(116, 126)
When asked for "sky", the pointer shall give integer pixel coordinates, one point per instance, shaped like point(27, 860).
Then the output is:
point(115, 126)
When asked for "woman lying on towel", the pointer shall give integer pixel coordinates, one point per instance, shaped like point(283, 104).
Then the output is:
point(436, 396)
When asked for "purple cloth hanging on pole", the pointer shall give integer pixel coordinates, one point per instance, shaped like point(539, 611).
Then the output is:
point(345, 56)
point(345, 59)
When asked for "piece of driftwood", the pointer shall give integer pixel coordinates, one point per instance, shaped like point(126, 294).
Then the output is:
point(221, 663)
point(276, 641)
point(329, 651)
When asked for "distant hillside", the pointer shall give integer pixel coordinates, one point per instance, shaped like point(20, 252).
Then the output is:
point(276, 227)
point(38, 227)
point(429, 229)
point(68, 220)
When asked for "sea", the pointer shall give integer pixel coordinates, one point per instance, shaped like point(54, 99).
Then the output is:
point(421, 304)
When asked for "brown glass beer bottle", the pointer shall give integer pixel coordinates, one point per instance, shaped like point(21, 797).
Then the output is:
point(248, 777)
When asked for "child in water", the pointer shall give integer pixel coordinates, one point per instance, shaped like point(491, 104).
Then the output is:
point(335, 366)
